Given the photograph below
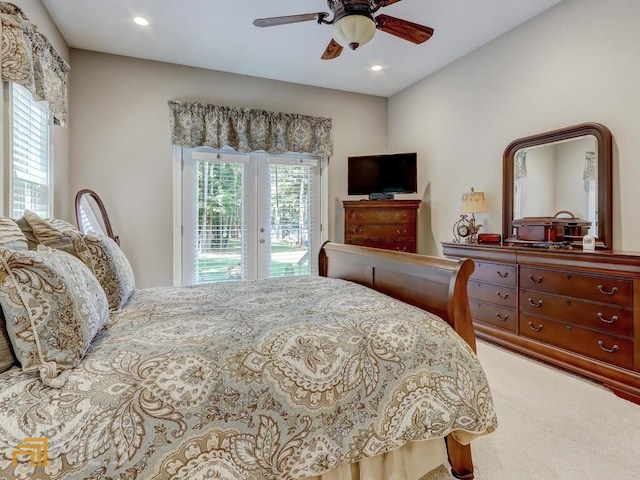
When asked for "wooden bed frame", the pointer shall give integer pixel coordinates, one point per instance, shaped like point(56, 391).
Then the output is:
point(434, 284)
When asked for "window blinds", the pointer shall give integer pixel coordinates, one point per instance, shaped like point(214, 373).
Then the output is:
point(292, 219)
point(29, 154)
point(220, 226)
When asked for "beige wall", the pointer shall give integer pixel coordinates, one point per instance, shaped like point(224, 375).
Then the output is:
point(577, 62)
point(121, 141)
point(38, 15)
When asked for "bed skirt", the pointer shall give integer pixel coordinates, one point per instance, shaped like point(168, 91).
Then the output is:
point(410, 462)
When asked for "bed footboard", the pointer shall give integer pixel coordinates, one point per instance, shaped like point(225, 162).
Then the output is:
point(438, 285)
point(435, 284)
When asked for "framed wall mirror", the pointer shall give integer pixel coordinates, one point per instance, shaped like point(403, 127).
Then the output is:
point(564, 171)
point(91, 214)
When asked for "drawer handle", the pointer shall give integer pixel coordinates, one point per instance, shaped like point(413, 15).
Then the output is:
point(534, 328)
point(535, 280)
point(401, 232)
point(611, 292)
point(357, 215)
point(503, 296)
point(535, 304)
point(502, 275)
point(608, 350)
point(601, 317)
point(502, 317)
point(401, 216)
point(403, 249)
point(358, 230)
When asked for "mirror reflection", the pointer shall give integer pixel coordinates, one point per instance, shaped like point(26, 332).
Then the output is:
point(91, 215)
point(560, 173)
point(558, 177)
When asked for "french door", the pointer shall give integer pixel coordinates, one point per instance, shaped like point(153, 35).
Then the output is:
point(249, 216)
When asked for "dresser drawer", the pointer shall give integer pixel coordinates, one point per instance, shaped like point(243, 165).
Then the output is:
point(400, 232)
point(496, 294)
point(495, 273)
point(608, 348)
point(356, 216)
point(407, 246)
point(609, 319)
point(604, 289)
point(493, 314)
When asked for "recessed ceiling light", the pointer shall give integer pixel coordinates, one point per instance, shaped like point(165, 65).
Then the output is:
point(376, 68)
point(143, 22)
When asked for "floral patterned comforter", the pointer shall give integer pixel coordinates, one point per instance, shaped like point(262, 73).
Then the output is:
point(283, 378)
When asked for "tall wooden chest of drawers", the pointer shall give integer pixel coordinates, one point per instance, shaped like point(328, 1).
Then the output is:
point(578, 310)
point(388, 224)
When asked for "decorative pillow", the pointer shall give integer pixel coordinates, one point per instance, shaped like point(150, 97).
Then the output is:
point(7, 359)
point(53, 306)
point(112, 269)
point(56, 234)
point(101, 254)
point(11, 235)
point(27, 231)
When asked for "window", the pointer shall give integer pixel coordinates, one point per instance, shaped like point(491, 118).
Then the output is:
point(247, 216)
point(30, 179)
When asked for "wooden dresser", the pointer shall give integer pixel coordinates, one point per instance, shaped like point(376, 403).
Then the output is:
point(388, 224)
point(574, 309)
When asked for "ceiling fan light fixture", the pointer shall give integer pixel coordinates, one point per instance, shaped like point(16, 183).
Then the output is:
point(353, 30)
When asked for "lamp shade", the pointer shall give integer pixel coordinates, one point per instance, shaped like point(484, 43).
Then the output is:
point(473, 202)
point(353, 30)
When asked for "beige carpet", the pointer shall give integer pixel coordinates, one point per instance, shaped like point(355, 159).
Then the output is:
point(552, 425)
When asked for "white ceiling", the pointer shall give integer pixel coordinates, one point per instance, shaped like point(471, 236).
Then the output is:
point(219, 35)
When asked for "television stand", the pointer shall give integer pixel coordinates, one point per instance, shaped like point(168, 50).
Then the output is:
point(388, 224)
point(381, 196)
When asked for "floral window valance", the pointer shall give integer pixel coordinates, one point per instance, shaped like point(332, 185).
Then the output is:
point(30, 60)
point(590, 167)
point(521, 164)
point(248, 130)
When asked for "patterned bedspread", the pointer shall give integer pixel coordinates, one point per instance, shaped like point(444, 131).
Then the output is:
point(283, 378)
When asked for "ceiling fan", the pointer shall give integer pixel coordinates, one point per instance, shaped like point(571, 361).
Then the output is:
point(354, 24)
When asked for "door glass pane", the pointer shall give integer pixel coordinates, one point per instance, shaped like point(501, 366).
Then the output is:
point(249, 216)
point(290, 219)
point(219, 223)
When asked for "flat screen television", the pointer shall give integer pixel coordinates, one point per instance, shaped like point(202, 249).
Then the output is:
point(382, 176)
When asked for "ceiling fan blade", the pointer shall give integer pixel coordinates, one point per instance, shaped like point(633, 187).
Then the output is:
point(385, 3)
point(304, 17)
point(333, 50)
point(404, 29)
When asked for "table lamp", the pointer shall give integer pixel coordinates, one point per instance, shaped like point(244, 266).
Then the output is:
point(472, 202)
